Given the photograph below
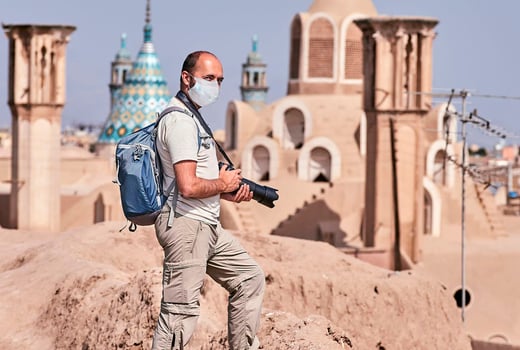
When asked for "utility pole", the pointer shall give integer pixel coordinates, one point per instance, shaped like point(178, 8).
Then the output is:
point(463, 95)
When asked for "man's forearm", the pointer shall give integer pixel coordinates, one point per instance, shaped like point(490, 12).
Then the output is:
point(192, 186)
point(203, 188)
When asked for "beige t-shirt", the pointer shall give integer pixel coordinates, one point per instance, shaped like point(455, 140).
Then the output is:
point(178, 139)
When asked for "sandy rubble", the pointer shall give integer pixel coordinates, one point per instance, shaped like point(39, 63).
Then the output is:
point(98, 288)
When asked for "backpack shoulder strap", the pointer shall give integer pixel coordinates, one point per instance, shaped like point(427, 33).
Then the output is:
point(172, 189)
point(168, 110)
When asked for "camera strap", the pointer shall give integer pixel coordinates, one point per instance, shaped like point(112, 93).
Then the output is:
point(182, 96)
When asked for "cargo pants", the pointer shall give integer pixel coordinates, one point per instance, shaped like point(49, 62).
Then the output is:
point(192, 249)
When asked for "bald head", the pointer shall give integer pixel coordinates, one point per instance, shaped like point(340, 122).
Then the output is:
point(201, 64)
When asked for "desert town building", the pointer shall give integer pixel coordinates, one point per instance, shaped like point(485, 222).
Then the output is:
point(356, 149)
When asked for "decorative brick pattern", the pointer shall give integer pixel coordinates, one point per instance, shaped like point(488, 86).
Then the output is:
point(353, 59)
point(321, 49)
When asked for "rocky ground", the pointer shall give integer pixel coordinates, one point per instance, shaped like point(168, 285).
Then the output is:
point(98, 288)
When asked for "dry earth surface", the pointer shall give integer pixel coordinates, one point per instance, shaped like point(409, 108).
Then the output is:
point(98, 288)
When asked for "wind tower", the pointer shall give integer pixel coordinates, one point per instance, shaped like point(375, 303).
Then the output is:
point(36, 97)
point(254, 83)
point(397, 81)
point(143, 94)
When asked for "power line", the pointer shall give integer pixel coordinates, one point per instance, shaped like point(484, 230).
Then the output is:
point(502, 97)
point(469, 93)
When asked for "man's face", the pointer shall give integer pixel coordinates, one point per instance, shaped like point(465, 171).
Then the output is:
point(208, 67)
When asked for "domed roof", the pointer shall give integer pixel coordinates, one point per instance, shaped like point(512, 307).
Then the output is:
point(143, 94)
point(343, 8)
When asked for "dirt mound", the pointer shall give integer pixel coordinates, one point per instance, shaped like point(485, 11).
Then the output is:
point(98, 288)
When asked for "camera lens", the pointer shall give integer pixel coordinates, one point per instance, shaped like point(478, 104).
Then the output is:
point(262, 194)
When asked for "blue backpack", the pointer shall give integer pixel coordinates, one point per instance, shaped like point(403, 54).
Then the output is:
point(139, 174)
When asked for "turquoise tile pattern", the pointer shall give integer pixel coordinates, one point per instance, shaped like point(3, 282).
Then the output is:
point(143, 94)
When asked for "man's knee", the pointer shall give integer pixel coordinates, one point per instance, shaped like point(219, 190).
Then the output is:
point(252, 282)
point(257, 282)
point(249, 287)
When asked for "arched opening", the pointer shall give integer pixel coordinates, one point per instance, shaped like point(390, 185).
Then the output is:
point(319, 165)
point(294, 128)
point(261, 162)
point(439, 168)
point(432, 208)
point(447, 123)
point(353, 53)
point(53, 75)
point(260, 159)
point(321, 49)
point(428, 213)
point(233, 130)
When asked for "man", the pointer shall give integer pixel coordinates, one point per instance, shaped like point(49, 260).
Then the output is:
point(193, 240)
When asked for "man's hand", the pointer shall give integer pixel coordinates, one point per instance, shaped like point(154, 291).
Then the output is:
point(244, 194)
point(230, 178)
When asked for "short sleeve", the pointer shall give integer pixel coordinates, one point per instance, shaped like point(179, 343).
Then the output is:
point(180, 137)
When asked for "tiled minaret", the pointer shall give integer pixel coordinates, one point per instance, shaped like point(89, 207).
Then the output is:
point(143, 94)
point(121, 66)
point(36, 98)
point(254, 81)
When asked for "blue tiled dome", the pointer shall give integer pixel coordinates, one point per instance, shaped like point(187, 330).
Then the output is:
point(143, 94)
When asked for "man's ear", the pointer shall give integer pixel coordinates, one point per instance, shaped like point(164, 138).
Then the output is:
point(186, 78)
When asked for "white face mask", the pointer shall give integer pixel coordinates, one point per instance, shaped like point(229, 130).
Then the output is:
point(204, 92)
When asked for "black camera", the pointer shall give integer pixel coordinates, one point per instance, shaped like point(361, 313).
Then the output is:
point(262, 194)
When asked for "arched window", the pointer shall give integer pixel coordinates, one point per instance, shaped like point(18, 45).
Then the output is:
point(261, 162)
point(319, 165)
point(321, 49)
point(428, 213)
point(233, 130)
point(294, 128)
point(353, 53)
point(439, 173)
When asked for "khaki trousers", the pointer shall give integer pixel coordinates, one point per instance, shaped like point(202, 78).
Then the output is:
point(192, 249)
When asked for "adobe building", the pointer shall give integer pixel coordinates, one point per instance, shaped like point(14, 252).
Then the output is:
point(356, 149)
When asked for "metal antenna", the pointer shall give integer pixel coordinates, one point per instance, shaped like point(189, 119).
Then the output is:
point(475, 120)
point(147, 18)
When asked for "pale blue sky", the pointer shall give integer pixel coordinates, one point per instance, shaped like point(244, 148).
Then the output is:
point(476, 48)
